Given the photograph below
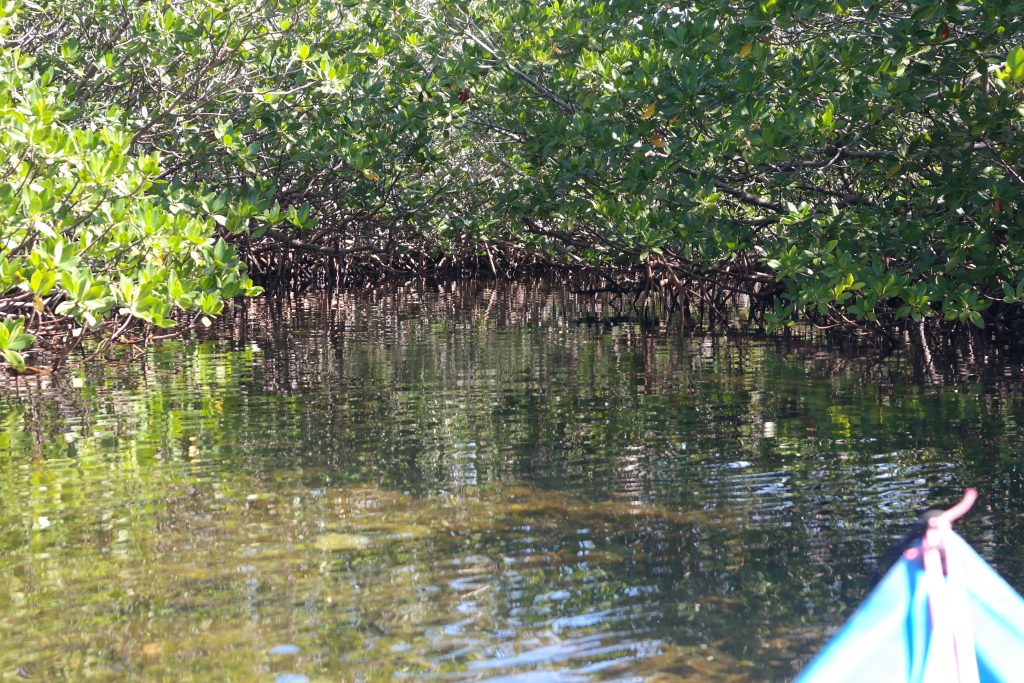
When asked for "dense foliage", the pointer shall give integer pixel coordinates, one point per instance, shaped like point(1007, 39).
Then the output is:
point(91, 229)
point(853, 161)
point(855, 164)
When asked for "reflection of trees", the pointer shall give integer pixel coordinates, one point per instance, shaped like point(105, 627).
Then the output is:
point(642, 473)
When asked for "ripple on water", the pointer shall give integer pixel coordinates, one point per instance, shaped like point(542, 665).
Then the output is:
point(465, 484)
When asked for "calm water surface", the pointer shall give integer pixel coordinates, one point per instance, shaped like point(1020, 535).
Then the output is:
point(475, 484)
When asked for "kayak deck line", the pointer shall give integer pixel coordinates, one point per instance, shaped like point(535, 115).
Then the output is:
point(941, 614)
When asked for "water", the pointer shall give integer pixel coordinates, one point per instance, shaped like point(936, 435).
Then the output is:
point(472, 484)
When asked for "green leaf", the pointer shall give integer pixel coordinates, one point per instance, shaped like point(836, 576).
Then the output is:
point(15, 360)
point(1015, 64)
point(21, 341)
point(42, 281)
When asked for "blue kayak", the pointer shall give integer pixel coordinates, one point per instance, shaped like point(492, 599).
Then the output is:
point(891, 638)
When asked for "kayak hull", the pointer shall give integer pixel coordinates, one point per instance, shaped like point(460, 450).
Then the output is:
point(887, 639)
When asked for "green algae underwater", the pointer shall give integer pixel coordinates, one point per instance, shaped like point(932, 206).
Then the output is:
point(472, 483)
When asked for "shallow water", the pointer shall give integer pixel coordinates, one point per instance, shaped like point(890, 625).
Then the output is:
point(473, 484)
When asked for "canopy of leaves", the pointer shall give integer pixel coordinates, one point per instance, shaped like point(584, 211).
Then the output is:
point(854, 163)
point(867, 158)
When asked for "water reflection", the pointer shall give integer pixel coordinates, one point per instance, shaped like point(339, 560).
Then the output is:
point(470, 484)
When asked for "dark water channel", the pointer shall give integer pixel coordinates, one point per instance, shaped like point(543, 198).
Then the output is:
point(472, 485)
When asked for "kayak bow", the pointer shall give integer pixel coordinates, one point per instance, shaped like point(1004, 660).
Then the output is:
point(941, 614)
